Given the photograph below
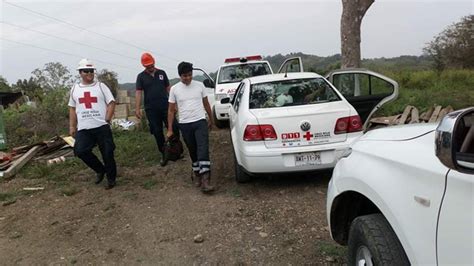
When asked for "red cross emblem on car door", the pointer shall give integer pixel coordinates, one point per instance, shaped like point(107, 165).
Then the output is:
point(88, 100)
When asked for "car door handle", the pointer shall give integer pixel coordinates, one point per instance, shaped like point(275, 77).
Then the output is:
point(423, 201)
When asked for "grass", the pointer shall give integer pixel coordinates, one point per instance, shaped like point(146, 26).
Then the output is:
point(7, 196)
point(149, 184)
point(424, 89)
point(332, 250)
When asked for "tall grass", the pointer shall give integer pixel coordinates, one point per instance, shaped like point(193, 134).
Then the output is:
point(424, 89)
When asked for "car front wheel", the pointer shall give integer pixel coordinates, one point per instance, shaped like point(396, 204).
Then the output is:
point(372, 241)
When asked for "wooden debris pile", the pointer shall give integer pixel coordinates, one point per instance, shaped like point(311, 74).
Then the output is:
point(47, 151)
point(411, 115)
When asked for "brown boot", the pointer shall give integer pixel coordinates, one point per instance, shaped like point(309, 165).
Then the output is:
point(206, 183)
point(196, 178)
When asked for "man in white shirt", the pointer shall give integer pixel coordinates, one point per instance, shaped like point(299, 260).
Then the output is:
point(190, 98)
point(91, 107)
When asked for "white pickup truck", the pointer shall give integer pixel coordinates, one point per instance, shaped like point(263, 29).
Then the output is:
point(229, 76)
point(405, 195)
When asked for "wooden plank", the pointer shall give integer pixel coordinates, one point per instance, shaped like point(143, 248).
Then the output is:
point(426, 115)
point(395, 119)
point(435, 114)
point(448, 109)
point(18, 164)
point(405, 115)
point(415, 118)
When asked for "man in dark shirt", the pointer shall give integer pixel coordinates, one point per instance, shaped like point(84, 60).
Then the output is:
point(154, 82)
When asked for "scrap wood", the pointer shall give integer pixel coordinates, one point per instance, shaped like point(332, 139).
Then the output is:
point(426, 115)
point(448, 109)
point(18, 164)
point(69, 140)
point(67, 152)
point(385, 120)
point(415, 118)
point(405, 115)
point(33, 188)
point(435, 114)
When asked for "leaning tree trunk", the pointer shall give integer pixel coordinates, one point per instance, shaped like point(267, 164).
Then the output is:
point(352, 13)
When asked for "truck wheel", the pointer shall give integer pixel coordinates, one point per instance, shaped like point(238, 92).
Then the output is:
point(240, 175)
point(372, 241)
point(217, 122)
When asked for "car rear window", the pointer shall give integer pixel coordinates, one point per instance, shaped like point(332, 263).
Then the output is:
point(236, 73)
point(291, 93)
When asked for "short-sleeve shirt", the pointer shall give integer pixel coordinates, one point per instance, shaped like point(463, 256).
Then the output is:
point(156, 95)
point(189, 101)
point(91, 103)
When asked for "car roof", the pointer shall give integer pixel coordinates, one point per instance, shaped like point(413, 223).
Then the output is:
point(282, 76)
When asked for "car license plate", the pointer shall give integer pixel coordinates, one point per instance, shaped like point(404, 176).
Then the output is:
point(309, 158)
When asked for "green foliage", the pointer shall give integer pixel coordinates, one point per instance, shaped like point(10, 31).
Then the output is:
point(4, 87)
point(454, 46)
point(110, 79)
point(30, 88)
point(28, 125)
point(424, 89)
point(52, 76)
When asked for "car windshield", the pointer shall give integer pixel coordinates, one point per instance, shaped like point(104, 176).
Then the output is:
point(291, 93)
point(236, 73)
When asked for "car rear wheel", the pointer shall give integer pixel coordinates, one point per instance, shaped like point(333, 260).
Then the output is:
point(240, 175)
point(217, 122)
point(372, 241)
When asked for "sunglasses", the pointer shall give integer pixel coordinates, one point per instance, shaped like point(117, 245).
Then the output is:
point(87, 71)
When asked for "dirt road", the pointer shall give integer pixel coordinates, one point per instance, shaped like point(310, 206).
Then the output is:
point(154, 214)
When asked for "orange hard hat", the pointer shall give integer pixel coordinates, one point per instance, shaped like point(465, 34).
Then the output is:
point(147, 59)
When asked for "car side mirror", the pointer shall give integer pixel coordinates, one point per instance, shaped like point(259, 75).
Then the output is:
point(225, 100)
point(208, 84)
point(454, 141)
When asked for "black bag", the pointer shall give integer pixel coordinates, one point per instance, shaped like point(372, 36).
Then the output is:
point(173, 148)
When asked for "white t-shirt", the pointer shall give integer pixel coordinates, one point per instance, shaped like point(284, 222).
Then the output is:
point(189, 101)
point(90, 102)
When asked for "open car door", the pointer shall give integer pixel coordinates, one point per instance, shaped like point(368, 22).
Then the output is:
point(208, 83)
point(365, 90)
point(293, 64)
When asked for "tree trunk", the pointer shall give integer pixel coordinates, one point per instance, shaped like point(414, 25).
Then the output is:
point(352, 13)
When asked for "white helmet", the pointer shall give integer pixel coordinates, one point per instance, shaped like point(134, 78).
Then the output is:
point(85, 64)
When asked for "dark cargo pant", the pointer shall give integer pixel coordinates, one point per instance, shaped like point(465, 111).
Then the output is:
point(86, 139)
point(196, 137)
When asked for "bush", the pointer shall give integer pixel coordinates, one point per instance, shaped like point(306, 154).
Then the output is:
point(28, 125)
point(424, 89)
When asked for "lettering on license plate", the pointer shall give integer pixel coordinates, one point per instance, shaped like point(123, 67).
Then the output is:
point(310, 158)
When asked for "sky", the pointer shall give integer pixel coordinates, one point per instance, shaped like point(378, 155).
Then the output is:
point(114, 34)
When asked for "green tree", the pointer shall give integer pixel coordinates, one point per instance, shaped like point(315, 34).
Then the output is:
point(53, 76)
point(110, 79)
point(30, 88)
point(454, 46)
point(4, 87)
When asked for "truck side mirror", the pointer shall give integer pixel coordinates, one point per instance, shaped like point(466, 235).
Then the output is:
point(454, 141)
point(208, 84)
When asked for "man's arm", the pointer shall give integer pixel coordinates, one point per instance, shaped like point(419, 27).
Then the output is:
point(138, 104)
point(72, 121)
point(110, 111)
point(171, 113)
point(168, 88)
point(207, 107)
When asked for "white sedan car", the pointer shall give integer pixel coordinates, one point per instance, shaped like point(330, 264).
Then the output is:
point(292, 122)
point(393, 202)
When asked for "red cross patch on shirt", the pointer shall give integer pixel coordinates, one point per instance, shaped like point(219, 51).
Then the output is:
point(88, 100)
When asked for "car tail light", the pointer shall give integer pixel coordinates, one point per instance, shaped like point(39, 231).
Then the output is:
point(259, 132)
point(348, 124)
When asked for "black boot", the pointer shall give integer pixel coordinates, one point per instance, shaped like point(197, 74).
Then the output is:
point(99, 177)
point(206, 183)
